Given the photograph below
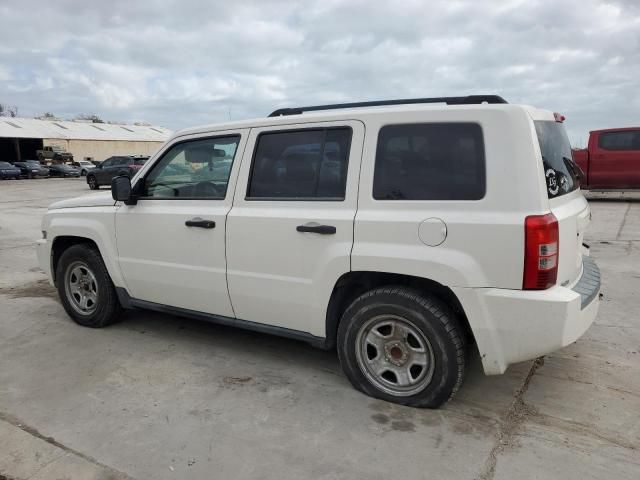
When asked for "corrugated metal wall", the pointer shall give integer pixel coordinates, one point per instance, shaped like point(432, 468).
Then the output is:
point(103, 149)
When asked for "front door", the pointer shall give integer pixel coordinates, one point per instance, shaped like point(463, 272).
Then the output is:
point(615, 160)
point(103, 171)
point(290, 231)
point(171, 244)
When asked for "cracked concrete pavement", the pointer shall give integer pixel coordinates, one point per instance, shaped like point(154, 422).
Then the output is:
point(162, 397)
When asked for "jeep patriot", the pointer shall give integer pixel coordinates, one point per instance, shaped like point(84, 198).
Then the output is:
point(398, 232)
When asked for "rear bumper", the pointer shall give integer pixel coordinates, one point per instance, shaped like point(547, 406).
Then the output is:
point(511, 326)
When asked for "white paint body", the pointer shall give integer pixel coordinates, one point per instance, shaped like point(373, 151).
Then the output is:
point(255, 266)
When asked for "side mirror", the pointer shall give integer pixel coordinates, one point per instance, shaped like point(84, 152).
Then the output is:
point(121, 190)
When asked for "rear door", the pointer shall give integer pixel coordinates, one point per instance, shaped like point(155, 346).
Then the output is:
point(565, 199)
point(615, 160)
point(290, 231)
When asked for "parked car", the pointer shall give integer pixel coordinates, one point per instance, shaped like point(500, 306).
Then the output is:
point(85, 166)
point(63, 170)
point(8, 171)
point(113, 167)
point(54, 153)
point(31, 169)
point(611, 160)
point(396, 234)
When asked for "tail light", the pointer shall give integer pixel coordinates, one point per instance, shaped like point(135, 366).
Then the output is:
point(540, 252)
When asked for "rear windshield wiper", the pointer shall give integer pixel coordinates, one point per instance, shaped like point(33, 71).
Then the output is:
point(574, 167)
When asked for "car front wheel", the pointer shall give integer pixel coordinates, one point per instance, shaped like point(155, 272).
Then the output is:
point(403, 346)
point(85, 288)
point(93, 182)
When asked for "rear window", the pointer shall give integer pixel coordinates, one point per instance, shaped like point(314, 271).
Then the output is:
point(140, 161)
point(628, 140)
point(430, 161)
point(559, 170)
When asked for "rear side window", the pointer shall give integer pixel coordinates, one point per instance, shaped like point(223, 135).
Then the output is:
point(561, 173)
point(430, 161)
point(301, 164)
point(629, 140)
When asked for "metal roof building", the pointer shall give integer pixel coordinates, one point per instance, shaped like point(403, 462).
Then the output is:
point(20, 138)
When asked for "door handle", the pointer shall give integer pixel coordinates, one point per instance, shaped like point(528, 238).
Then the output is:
point(313, 227)
point(199, 222)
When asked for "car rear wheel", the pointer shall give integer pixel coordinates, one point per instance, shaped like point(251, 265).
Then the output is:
point(402, 346)
point(93, 182)
point(85, 288)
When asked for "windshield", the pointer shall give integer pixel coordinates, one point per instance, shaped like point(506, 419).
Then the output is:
point(140, 161)
point(5, 165)
point(559, 169)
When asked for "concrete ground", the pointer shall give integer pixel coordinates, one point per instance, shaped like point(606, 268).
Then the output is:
point(162, 397)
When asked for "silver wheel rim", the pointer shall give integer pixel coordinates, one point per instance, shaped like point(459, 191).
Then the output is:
point(394, 355)
point(81, 288)
point(92, 182)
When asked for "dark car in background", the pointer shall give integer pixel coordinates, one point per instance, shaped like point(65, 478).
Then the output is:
point(8, 171)
point(126, 165)
point(63, 170)
point(31, 169)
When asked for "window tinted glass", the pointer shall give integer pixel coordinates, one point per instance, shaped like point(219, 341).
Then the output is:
point(430, 161)
point(301, 164)
point(620, 141)
point(194, 169)
point(108, 162)
point(557, 158)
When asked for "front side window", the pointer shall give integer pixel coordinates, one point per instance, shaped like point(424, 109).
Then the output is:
point(301, 164)
point(193, 169)
point(430, 161)
point(629, 140)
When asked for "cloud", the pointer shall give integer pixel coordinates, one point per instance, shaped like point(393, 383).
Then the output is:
point(181, 63)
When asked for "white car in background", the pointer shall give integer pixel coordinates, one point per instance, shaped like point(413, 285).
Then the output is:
point(398, 232)
point(85, 166)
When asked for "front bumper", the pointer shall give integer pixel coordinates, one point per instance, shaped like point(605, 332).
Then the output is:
point(511, 326)
point(43, 251)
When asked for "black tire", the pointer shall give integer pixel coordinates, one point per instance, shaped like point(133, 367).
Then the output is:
point(429, 319)
point(93, 182)
point(107, 307)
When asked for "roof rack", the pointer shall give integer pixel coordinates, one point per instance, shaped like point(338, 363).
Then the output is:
point(468, 100)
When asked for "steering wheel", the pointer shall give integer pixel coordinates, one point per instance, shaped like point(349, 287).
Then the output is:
point(205, 189)
point(176, 192)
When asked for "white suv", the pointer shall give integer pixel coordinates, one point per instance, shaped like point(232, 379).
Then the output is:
point(397, 232)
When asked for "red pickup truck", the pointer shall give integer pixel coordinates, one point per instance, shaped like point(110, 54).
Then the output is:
point(611, 161)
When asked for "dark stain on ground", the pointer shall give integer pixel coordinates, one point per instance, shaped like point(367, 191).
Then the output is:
point(403, 426)
point(431, 419)
point(236, 380)
point(380, 418)
point(37, 289)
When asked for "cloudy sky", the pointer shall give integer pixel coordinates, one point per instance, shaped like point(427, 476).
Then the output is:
point(179, 63)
